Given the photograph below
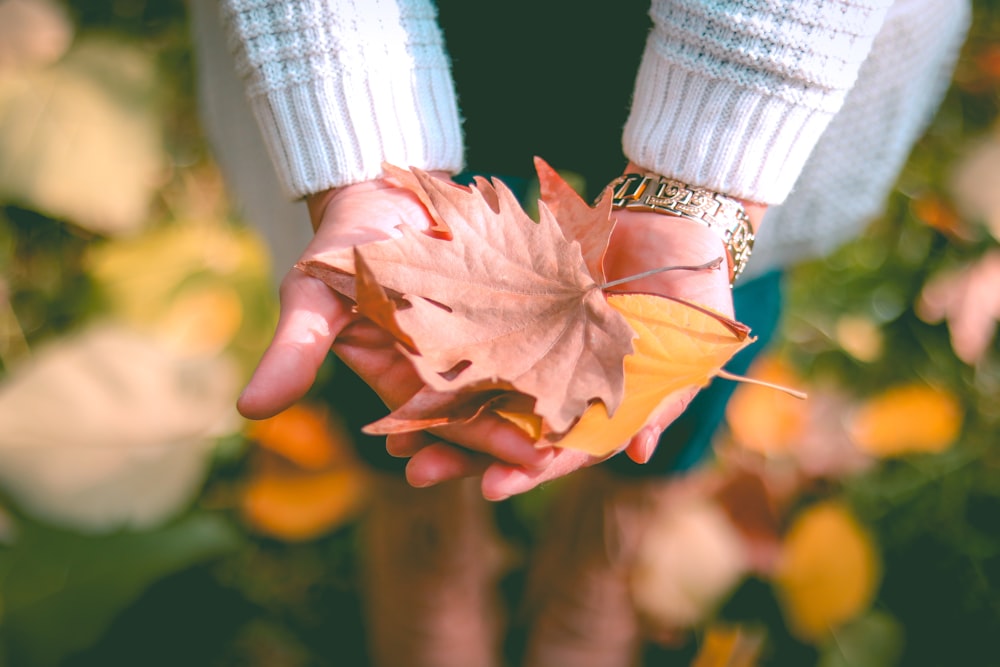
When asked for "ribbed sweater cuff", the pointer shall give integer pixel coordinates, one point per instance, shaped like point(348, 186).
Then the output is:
point(717, 134)
point(339, 130)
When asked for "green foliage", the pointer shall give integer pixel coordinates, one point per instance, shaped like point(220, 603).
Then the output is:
point(61, 589)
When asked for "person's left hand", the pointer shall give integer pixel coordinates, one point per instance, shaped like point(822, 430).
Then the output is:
point(313, 319)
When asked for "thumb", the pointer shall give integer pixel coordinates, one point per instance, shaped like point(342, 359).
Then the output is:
point(311, 316)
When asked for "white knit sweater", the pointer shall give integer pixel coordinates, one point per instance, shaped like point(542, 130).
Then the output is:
point(732, 95)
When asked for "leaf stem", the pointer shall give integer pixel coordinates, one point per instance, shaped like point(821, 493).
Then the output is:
point(712, 264)
point(726, 375)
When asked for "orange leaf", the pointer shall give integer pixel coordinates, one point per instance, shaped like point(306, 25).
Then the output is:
point(828, 572)
point(679, 347)
point(303, 506)
point(907, 419)
point(590, 226)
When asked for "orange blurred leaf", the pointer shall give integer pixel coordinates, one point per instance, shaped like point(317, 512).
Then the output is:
point(907, 419)
point(296, 507)
point(828, 572)
point(303, 435)
point(764, 420)
point(679, 348)
point(937, 213)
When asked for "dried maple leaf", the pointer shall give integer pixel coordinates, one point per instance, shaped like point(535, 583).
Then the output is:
point(590, 226)
point(377, 306)
point(679, 347)
point(506, 300)
point(428, 408)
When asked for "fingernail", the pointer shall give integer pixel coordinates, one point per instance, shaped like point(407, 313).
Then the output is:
point(503, 477)
point(417, 481)
point(420, 483)
point(649, 442)
point(546, 455)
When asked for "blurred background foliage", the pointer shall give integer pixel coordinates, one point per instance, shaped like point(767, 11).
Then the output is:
point(142, 522)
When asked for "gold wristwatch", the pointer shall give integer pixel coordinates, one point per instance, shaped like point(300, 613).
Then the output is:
point(723, 215)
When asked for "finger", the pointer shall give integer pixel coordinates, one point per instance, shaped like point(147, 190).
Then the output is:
point(405, 445)
point(642, 446)
point(501, 481)
point(311, 317)
point(440, 462)
point(371, 352)
point(497, 437)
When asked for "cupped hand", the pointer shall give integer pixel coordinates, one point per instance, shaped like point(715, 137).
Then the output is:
point(313, 319)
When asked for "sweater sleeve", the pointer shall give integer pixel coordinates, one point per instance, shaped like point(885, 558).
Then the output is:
point(733, 95)
point(340, 86)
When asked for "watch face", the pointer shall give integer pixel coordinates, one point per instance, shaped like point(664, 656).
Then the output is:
point(722, 214)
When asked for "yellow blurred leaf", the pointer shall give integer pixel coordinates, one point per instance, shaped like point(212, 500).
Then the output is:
point(828, 572)
point(80, 140)
point(303, 506)
point(678, 348)
point(202, 319)
point(907, 419)
point(763, 419)
point(304, 435)
point(859, 337)
point(729, 646)
point(141, 285)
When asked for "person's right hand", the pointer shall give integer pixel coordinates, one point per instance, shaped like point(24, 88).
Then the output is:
point(641, 241)
point(313, 318)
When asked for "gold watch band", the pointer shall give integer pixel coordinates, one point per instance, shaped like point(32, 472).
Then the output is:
point(721, 214)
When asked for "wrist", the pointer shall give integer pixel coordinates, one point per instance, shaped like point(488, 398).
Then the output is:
point(724, 216)
point(318, 202)
point(755, 210)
